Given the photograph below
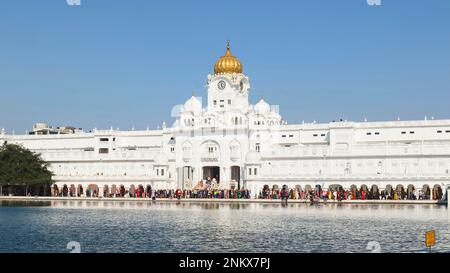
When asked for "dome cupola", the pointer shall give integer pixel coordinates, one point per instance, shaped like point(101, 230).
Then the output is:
point(193, 105)
point(228, 63)
point(262, 107)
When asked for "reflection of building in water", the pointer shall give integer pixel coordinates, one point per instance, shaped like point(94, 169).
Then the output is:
point(243, 145)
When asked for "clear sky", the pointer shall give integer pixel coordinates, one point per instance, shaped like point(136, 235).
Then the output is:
point(126, 63)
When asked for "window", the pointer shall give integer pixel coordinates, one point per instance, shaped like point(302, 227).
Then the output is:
point(447, 131)
point(322, 135)
point(162, 172)
point(314, 135)
point(229, 101)
point(412, 132)
point(157, 172)
point(283, 135)
point(368, 134)
point(403, 133)
point(104, 139)
point(103, 150)
point(439, 131)
point(377, 133)
point(114, 139)
point(291, 135)
point(254, 171)
point(257, 147)
point(172, 149)
point(249, 171)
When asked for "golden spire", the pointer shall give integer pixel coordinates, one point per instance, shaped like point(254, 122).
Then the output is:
point(228, 63)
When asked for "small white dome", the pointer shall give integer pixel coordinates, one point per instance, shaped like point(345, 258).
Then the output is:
point(192, 105)
point(252, 157)
point(262, 107)
point(161, 159)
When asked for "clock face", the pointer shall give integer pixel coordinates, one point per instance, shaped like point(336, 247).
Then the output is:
point(221, 85)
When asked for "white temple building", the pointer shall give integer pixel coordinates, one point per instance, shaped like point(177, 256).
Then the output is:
point(245, 146)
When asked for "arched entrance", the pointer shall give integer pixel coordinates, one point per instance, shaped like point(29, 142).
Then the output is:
point(122, 191)
point(374, 192)
point(426, 192)
point(72, 190)
point(389, 192)
point(65, 191)
point(106, 191)
point(410, 192)
point(236, 175)
point(148, 191)
point(140, 191)
point(437, 192)
point(80, 190)
point(55, 190)
point(400, 191)
point(210, 172)
point(114, 190)
point(92, 190)
point(132, 190)
point(275, 190)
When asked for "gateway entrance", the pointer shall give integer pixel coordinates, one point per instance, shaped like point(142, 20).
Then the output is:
point(211, 172)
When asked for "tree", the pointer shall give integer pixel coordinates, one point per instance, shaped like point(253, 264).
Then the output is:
point(21, 167)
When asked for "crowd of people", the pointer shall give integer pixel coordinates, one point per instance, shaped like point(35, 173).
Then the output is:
point(339, 194)
point(210, 189)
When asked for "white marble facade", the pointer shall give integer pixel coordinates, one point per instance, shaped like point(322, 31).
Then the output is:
point(247, 146)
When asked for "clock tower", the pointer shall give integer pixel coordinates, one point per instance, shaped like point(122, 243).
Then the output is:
point(228, 87)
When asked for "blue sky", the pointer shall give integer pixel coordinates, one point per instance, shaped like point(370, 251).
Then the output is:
point(126, 63)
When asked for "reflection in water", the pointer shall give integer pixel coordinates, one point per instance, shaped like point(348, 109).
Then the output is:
point(146, 226)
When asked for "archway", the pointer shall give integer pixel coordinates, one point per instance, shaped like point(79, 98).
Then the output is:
point(354, 192)
point(265, 191)
point(80, 190)
point(132, 191)
point(275, 190)
point(140, 191)
point(318, 190)
point(410, 192)
point(374, 192)
point(122, 191)
point(210, 172)
point(72, 190)
point(363, 190)
point(400, 191)
point(149, 191)
point(437, 192)
point(65, 191)
point(308, 188)
point(389, 192)
point(114, 190)
point(106, 191)
point(55, 190)
point(92, 190)
point(236, 175)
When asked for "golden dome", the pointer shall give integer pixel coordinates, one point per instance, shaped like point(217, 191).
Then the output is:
point(228, 63)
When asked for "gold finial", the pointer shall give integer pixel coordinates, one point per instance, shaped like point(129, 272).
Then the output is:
point(228, 44)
